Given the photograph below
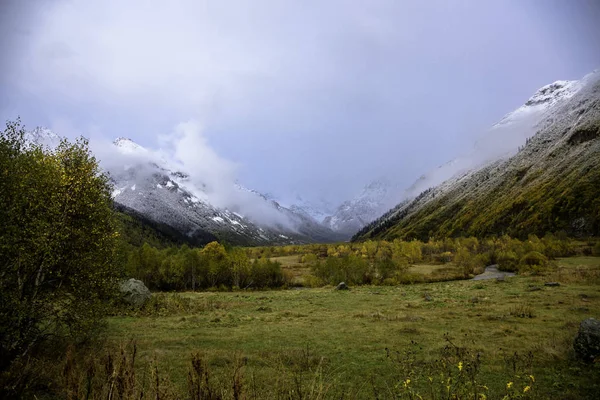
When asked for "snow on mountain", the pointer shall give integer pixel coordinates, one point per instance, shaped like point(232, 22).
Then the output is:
point(43, 136)
point(504, 138)
point(318, 210)
point(563, 117)
point(155, 188)
point(146, 184)
point(500, 142)
point(128, 146)
point(352, 215)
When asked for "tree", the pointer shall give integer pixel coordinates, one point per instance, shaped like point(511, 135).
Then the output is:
point(57, 241)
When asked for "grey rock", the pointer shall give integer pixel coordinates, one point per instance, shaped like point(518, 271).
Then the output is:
point(587, 342)
point(551, 284)
point(134, 292)
point(342, 286)
point(427, 297)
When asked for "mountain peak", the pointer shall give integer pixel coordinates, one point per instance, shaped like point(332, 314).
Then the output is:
point(127, 145)
point(543, 99)
point(43, 136)
point(553, 92)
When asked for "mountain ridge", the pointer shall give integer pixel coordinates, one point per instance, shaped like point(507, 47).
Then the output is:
point(551, 184)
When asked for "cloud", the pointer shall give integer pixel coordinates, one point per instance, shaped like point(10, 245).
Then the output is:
point(190, 149)
point(214, 176)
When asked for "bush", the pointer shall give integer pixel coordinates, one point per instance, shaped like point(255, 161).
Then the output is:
point(507, 261)
point(534, 262)
point(534, 258)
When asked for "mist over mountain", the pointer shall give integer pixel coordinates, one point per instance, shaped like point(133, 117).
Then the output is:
point(194, 193)
point(501, 141)
point(187, 186)
point(551, 184)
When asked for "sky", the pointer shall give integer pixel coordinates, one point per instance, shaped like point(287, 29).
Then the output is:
point(311, 98)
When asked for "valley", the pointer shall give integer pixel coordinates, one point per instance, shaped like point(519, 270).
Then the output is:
point(319, 341)
point(300, 247)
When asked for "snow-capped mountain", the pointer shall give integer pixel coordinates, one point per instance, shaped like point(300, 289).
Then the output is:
point(505, 137)
point(146, 184)
point(550, 184)
point(500, 142)
point(352, 215)
point(43, 136)
point(317, 210)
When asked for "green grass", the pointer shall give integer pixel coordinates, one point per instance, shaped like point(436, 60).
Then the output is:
point(581, 262)
point(347, 333)
point(292, 267)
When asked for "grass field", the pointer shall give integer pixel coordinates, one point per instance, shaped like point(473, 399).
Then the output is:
point(348, 343)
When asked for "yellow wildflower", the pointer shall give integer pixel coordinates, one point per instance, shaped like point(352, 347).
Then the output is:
point(509, 385)
point(532, 378)
point(406, 383)
point(460, 366)
point(526, 389)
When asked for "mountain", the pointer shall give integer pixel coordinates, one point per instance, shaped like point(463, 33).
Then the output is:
point(180, 206)
point(44, 137)
point(502, 140)
point(146, 183)
point(353, 214)
point(317, 210)
point(551, 184)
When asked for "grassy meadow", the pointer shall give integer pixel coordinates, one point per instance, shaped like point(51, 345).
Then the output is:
point(370, 341)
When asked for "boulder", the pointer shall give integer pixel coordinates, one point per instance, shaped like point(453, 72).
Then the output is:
point(342, 286)
point(587, 342)
point(134, 292)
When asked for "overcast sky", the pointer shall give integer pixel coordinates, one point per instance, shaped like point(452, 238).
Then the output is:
point(310, 97)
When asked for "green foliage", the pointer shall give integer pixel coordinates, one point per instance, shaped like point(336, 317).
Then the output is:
point(57, 242)
point(534, 258)
point(507, 261)
point(213, 266)
point(534, 262)
point(388, 263)
point(555, 195)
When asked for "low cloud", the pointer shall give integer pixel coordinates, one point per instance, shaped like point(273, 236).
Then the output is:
point(188, 150)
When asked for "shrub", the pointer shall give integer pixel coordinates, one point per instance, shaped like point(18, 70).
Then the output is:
point(507, 261)
point(533, 262)
point(534, 258)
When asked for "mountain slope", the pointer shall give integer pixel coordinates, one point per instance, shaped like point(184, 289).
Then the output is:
point(146, 183)
point(501, 141)
point(160, 196)
point(353, 214)
point(552, 184)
